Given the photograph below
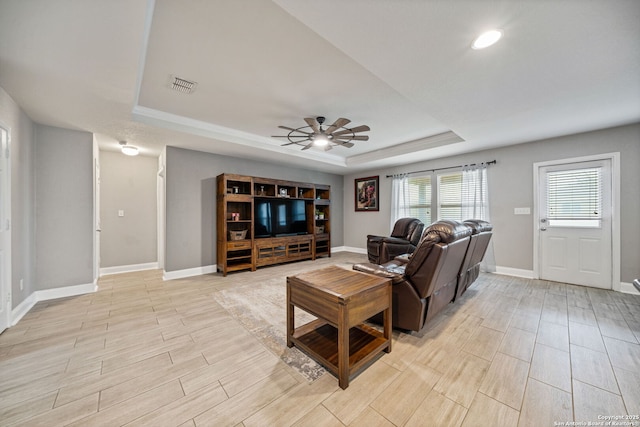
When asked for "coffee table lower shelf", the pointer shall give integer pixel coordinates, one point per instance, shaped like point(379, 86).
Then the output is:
point(319, 339)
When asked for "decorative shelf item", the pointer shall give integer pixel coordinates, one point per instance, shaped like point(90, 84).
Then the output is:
point(237, 235)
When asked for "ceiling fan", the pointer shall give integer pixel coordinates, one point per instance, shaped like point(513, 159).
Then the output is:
point(314, 135)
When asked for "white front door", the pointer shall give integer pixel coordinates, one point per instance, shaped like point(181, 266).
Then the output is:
point(575, 223)
point(5, 231)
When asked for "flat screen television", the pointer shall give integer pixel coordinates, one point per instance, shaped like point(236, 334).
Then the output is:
point(279, 217)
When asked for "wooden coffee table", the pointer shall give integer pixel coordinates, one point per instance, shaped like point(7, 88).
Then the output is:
point(341, 300)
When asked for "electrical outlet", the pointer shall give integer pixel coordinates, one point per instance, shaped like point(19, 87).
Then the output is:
point(120, 213)
point(21, 284)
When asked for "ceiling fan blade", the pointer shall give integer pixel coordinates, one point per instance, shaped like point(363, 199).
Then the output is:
point(344, 144)
point(294, 130)
point(309, 145)
point(362, 128)
point(298, 138)
point(313, 123)
point(360, 138)
point(294, 142)
point(341, 122)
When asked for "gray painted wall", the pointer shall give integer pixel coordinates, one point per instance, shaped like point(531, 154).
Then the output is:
point(191, 201)
point(511, 186)
point(64, 207)
point(128, 184)
point(22, 197)
point(52, 199)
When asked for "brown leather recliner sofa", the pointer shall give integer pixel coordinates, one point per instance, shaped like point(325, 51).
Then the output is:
point(425, 282)
point(403, 240)
point(480, 236)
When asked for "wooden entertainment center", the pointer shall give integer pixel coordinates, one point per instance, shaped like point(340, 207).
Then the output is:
point(243, 243)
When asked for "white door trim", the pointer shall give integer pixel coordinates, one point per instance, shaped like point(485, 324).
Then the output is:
point(5, 281)
point(615, 211)
point(96, 211)
point(161, 209)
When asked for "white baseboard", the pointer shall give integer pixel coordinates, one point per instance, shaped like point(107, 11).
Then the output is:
point(23, 308)
point(628, 288)
point(349, 249)
point(517, 272)
point(66, 291)
point(128, 268)
point(49, 294)
point(189, 272)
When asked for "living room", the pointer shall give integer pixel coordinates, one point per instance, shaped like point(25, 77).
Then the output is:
point(54, 248)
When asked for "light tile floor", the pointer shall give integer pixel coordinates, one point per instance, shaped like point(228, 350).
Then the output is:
point(142, 351)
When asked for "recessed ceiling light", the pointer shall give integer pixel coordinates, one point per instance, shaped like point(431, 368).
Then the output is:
point(486, 39)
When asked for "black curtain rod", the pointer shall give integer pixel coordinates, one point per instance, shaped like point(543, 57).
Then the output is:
point(492, 162)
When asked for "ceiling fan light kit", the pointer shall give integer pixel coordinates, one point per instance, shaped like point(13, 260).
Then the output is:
point(315, 135)
point(320, 140)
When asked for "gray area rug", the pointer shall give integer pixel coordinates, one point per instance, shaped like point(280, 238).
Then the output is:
point(261, 308)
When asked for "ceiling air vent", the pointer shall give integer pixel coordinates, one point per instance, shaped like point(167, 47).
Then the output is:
point(182, 85)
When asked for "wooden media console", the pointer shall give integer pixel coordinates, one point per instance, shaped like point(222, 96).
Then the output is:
point(242, 242)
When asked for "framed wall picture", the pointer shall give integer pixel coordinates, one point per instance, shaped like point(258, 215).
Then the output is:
point(366, 190)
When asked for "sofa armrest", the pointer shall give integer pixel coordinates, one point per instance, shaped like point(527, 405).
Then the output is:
point(402, 259)
point(389, 271)
point(389, 240)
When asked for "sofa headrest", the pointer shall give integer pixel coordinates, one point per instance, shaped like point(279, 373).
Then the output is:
point(478, 225)
point(447, 231)
point(443, 232)
point(404, 228)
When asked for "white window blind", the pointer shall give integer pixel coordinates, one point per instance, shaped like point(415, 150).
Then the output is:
point(420, 198)
point(458, 196)
point(574, 197)
point(450, 196)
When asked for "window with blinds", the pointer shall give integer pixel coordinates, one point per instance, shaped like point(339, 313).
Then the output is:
point(574, 198)
point(455, 198)
point(420, 198)
point(450, 196)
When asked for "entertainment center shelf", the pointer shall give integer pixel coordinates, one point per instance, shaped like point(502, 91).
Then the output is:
point(262, 221)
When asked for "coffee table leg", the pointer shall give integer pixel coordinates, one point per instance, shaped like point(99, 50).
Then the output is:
point(343, 348)
point(387, 327)
point(387, 320)
point(290, 317)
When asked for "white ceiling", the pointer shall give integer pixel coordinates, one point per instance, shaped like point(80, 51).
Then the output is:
point(403, 67)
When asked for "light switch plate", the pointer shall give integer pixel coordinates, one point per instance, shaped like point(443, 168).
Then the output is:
point(522, 211)
point(120, 212)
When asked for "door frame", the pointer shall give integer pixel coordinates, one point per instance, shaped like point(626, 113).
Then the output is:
point(96, 211)
point(614, 158)
point(6, 281)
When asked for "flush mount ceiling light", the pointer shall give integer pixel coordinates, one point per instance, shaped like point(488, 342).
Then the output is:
point(315, 135)
point(129, 150)
point(486, 39)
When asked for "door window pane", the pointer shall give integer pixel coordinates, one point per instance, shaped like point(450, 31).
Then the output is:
point(574, 198)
